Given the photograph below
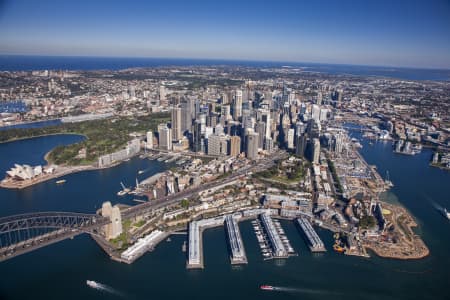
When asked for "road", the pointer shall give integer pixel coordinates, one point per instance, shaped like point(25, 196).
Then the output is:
point(144, 208)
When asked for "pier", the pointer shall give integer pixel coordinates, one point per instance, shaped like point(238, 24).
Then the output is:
point(195, 254)
point(278, 247)
point(314, 242)
point(236, 245)
point(143, 245)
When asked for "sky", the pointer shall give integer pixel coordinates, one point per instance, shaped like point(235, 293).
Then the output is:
point(407, 33)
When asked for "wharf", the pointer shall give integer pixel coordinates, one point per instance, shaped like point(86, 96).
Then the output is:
point(314, 242)
point(238, 255)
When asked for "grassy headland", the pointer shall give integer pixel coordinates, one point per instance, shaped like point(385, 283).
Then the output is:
point(102, 136)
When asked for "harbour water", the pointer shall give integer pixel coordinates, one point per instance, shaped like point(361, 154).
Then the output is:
point(60, 271)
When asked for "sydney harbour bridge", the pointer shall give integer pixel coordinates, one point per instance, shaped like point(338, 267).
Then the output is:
point(23, 233)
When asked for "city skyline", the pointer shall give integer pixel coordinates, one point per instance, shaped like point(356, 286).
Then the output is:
point(401, 34)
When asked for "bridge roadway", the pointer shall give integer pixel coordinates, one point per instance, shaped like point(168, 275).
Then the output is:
point(144, 208)
point(23, 233)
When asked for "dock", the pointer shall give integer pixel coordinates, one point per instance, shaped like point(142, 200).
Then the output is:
point(143, 245)
point(277, 245)
point(238, 255)
point(195, 253)
point(312, 238)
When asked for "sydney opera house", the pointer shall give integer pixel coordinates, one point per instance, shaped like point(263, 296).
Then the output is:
point(26, 172)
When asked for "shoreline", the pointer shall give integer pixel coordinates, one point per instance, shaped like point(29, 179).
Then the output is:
point(40, 135)
point(66, 170)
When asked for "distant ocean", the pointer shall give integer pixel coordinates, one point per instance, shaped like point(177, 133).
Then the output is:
point(27, 63)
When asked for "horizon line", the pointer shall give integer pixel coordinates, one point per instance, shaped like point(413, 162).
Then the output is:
point(226, 59)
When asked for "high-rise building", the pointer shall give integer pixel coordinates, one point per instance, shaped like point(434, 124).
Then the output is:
point(176, 124)
point(300, 145)
point(214, 145)
point(252, 140)
point(260, 128)
point(315, 113)
point(290, 138)
point(268, 144)
point(165, 137)
point(237, 107)
point(149, 143)
point(162, 95)
point(197, 136)
point(226, 112)
point(235, 146)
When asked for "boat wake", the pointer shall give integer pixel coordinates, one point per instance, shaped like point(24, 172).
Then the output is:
point(303, 290)
point(105, 288)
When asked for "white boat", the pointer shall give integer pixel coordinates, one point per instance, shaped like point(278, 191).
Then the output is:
point(446, 214)
point(92, 284)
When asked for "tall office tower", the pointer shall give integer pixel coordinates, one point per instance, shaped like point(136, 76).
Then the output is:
point(248, 122)
point(265, 117)
point(235, 145)
point(237, 107)
point(319, 98)
point(316, 151)
point(268, 144)
point(300, 128)
point(300, 144)
point(285, 95)
point(291, 98)
point(202, 118)
point(186, 116)
point(162, 95)
point(315, 113)
point(323, 114)
point(338, 142)
point(290, 138)
point(149, 144)
point(224, 98)
point(224, 141)
point(260, 128)
point(252, 140)
point(226, 112)
point(177, 133)
point(197, 136)
point(218, 129)
point(214, 145)
point(313, 129)
point(165, 137)
point(211, 120)
point(293, 113)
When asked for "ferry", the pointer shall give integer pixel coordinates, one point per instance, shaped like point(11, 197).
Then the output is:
point(60, 181)
point(338, 248)
point(92, 284)
point(446, 214)
point(267, 288)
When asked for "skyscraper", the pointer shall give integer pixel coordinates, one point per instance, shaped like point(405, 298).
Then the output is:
point(149, 144)
point(165, 137)
point(235, 146)
point(237, 107)
point(252, 140)
point(176, 124)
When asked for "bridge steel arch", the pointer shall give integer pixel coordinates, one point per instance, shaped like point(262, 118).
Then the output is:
point(23, 233)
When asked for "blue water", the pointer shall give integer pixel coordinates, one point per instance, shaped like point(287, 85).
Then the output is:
point(38, 124)
point(60, 271)
point(21, 63)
